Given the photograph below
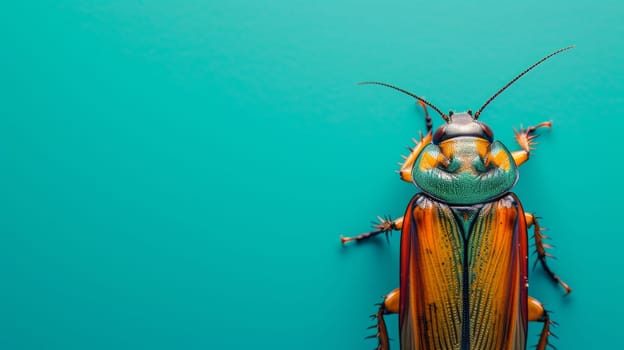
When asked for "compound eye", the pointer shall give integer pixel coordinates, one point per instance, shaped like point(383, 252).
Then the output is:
point(437, 137)
point(487, 131)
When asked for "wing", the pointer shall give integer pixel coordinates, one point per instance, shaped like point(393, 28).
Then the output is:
point(448, 277)
point(497, 259)
point(431, 304)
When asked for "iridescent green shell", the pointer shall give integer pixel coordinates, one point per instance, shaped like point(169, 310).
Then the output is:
point(467, 179)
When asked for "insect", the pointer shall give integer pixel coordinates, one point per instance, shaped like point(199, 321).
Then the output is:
point(464, 240)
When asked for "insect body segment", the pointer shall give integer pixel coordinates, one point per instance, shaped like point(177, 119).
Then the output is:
point(475, 170)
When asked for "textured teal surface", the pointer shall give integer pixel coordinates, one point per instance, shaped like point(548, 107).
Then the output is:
point(175, 174)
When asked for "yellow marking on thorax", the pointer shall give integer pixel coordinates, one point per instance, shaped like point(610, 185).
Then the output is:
point(465, 149)
point(500, 160)
point(428, 161)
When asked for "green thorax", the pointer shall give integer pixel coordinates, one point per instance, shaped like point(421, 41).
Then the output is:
point(460, 174)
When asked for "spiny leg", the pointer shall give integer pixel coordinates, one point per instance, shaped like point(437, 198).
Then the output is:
point(540, 249)
point(525, 138)
point(390, 305)
point(408, 161)
point(385, 225)
point(539, 314)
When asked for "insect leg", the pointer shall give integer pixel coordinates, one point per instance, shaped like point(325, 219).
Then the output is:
point(525, 138)
point(427, 117)
point(390, 305)
point(406, 166)
point(385, 225)
point(540, 249)
point(408, 163)
point(539, 314)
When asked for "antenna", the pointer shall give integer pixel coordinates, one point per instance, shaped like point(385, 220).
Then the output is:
point(407, 93)
point(518, 77)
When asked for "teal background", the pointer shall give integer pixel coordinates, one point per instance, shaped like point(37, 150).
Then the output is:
point(176, 174)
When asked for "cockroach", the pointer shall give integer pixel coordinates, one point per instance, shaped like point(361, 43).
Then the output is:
point(464, 239)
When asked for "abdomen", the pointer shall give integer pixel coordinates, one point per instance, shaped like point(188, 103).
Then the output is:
point(463, 276)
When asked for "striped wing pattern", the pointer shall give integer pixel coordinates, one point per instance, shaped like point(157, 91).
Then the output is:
point(444, 279)
point(431, 307)
point(497, 258)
